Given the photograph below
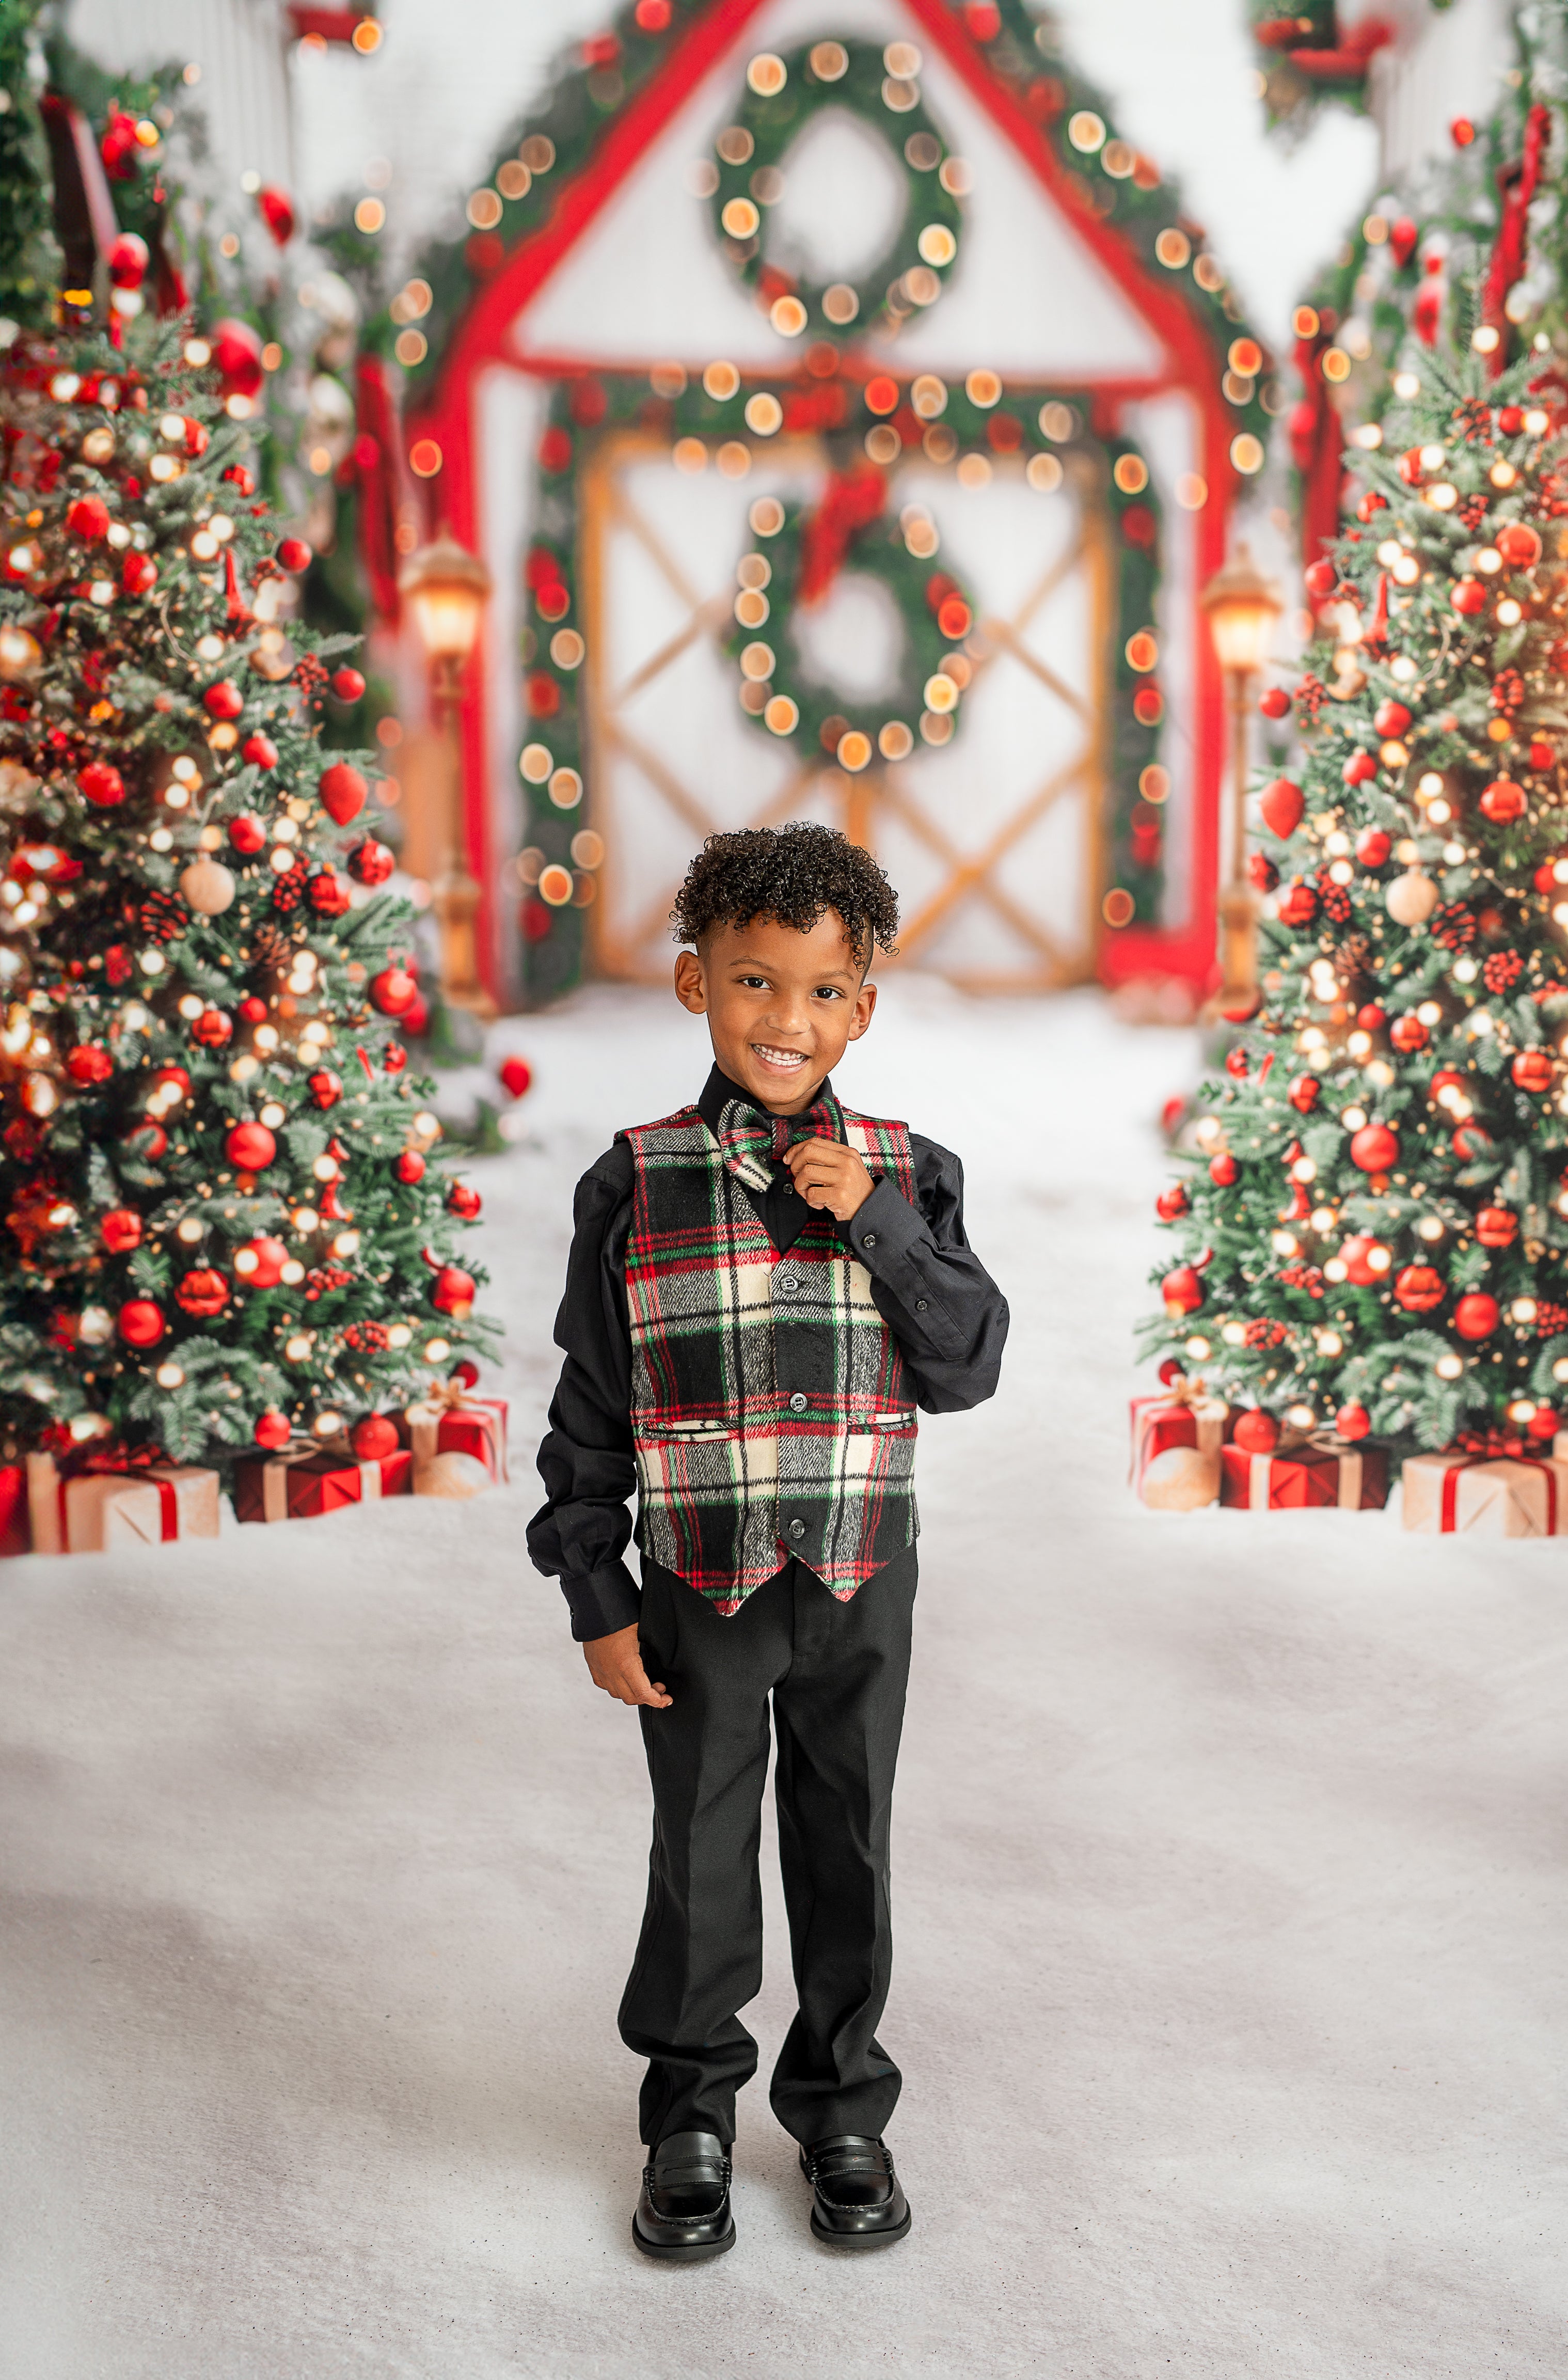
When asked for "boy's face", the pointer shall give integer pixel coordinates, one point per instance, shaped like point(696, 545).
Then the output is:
point(782, 1006)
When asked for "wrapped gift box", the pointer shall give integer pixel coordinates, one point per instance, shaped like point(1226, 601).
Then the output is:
point(16, 1533)
point(1498, 1496)
point(1177, 1416)
point(304, 1482)
point(452, 1422)
point(1329, 1473)
point(93, 1509)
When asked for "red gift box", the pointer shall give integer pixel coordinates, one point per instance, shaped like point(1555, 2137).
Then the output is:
point(1327, 1472)
point(302, 1484)
point(450, 1421)
point(16, 1537)
point(1179, 1416)
point(101, 1496)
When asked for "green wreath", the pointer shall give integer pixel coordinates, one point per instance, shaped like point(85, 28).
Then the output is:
point(795, 561)
point(782, 94)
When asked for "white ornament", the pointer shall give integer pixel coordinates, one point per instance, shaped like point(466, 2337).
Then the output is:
point(1412, 898)
point(207, 887)
point(1181, 1480)
point(451, 1474)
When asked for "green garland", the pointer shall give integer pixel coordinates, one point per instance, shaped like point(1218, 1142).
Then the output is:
point(913, 270)
point(559, 878)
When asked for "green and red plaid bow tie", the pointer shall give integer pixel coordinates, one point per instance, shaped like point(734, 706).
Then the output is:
point(753, 1143)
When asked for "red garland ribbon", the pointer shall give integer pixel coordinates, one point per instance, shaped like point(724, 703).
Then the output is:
point(850, 503)
point(1516, 186)
point(1315, 443)
point(375, 448)
point(1449, 1515)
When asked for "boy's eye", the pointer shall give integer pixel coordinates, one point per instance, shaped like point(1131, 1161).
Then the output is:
point(828, 991)
point(754, 982)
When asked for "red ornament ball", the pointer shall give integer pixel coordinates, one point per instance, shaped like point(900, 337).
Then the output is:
point(325, 1088)
point(1519, 545)
point(1256, 1432)
point(128, 259)
point(1542, 754)
point(1223, 1170)
point(1274, 703)
point(516, 1077)
point(411, 1167)
point(1419, 1288)
point(141, 1323)
point(213, 1029)
point(272, 1430)
point(202, 1294)
point(1366, 1261)
point(138, 573)
point(120, 1231)
point(100, 785)
point(467, 1374)
point(1321, 578)
point(1543, 1422)
point(1372, 1018)
point(393, 990)
point(1374, 1150)
point(223, 700)
point(374, 1437)
point(1298, 905)
point(88, 1063)
point(1495, 1227)
point(247, 834)
point(261, 751)
point(1532, 1070)
point(294, 555)
point(453, 1292)
point(1476, 1315)
point(1171, 1203)
point(1282, 804)
point(1182, 1291)
point(1353, 1422)
point(1391, 718)
point(1408, 1034)
point(252, 1010)
point(461, 1200)
point(1373, 847)
point(260, 1261)
point(347, 685)
point(1503, 801)
point(1303, 1094)
point(330, 893)
point(371, 862)
point(89, 519)
point(394, 1058)
point(1359, 770)
point(343, 792)
point(1469, 597)
point(250, 1148)
point(237, 358)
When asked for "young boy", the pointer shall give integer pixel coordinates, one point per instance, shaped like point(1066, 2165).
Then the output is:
point(762, 1290)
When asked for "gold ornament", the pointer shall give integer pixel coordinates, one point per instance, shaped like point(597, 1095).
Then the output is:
point(1412, 898)
point(207, 887)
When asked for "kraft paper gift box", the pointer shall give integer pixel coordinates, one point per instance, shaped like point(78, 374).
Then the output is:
point(459, 1425)
point(1166, 1420)
point(1497, 1495)
point(1332, 1474)
point(303, 1483)
point(92, 1511)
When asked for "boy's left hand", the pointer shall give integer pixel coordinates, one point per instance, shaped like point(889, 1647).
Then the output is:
point(828, 1174)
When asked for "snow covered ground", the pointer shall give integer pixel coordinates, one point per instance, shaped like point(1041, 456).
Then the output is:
point(1228, 1871)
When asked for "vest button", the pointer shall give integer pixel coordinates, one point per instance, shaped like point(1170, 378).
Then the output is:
point(798, 1403)
point(869, 1241)
point(797, 1528)
point(789, 1284)
point(920, 1305)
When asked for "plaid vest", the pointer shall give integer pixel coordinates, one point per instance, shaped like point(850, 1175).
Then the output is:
point(771, 1410)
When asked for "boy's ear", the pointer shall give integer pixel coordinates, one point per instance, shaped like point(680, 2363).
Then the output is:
point(865, 1001)
point(691, 986)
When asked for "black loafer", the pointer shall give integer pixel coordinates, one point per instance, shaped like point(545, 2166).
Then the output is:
point(685, 2208)
point(857, 2199)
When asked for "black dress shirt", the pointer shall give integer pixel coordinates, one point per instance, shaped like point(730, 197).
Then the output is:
point(948, 1315)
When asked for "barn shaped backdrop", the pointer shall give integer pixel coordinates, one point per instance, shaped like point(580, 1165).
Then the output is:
point(849, 419)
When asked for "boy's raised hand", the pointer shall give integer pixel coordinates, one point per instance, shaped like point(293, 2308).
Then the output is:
point(615, 1663)
point(828, 1174)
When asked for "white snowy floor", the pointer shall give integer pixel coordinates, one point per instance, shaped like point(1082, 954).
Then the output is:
point(1228, 1868)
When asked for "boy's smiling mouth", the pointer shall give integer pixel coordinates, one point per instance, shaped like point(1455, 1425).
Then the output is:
point(787, 1062)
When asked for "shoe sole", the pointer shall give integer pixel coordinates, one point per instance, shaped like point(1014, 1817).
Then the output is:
point(860, 2239)
point(669, 2254)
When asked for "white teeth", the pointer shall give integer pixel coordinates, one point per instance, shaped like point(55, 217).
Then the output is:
point(779, 1057)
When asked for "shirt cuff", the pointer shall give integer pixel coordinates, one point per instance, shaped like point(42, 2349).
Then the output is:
point(885, 1228)
point(601, 1601)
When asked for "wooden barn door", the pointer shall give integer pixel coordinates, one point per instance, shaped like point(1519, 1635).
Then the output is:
point(992, 840)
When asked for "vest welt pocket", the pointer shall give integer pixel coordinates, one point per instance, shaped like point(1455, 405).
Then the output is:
point(656, 1432)
point(886, 1421)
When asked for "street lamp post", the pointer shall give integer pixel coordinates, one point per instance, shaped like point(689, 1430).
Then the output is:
point(1241, 606)
point(447, 588)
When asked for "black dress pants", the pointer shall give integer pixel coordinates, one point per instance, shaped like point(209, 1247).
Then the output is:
point(836, 1673)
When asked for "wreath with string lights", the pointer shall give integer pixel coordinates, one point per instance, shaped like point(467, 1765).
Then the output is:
point(782, 96)
point(794, 564)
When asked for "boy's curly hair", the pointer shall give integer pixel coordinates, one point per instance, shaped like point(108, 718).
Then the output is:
point(795, 874)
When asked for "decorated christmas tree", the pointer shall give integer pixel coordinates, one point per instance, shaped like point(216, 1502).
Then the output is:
point(1376, 1232)
point(216, 1174)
